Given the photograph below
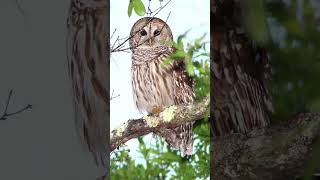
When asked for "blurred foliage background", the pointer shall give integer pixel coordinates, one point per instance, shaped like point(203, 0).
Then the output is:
point(159, 160)
point(289, 29)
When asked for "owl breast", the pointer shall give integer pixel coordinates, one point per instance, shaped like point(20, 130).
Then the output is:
point(152, 79)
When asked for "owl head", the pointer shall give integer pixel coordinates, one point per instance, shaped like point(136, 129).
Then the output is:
point(149, 32)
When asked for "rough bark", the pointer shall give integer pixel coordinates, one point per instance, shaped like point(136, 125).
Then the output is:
point(277, 152)
point(171, 117)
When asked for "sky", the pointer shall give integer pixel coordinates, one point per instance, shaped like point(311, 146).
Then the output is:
point(182, 16)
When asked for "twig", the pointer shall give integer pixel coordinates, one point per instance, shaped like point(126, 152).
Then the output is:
point(5, 114)
point(128, 48)
point(113, 33)
point(120, 45)
point(112, 96)
point(117, 40)
point(168, 17)
point(149, 12)
point(20, 9)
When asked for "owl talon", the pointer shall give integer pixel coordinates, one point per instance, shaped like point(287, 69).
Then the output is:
point(155, 110)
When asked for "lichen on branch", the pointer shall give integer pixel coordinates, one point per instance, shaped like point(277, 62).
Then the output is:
point(171, 117)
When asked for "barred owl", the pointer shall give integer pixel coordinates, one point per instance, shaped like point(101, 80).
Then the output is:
point(241, 74)
point(156, 85)
point(88, 71)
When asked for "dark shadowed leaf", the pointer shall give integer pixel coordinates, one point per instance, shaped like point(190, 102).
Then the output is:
point(255, 17)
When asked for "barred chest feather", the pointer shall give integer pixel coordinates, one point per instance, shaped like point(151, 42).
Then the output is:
point(152, 80)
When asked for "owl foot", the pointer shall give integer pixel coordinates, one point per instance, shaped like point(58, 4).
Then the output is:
point(155, 110)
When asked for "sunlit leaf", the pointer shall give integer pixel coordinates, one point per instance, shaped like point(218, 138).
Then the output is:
point(139, 7)
point(130, 7)
point(190, 69)
point(179, 54)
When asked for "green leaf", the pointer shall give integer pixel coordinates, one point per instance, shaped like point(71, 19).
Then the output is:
point(197, 64)
point(295, 28)
point(255, 18)
point(139, 7)
point(198, 42)
point(130, 7)
point(179, 54)
point(190, 69)
point(180, 42)
point(170, 156)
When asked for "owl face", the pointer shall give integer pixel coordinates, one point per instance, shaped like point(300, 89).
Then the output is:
point(149, 32)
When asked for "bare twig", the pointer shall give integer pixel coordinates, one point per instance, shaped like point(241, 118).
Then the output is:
point(149, 12)
point(170, 117)
point(119, 47)
point(113, 33)
point(112, 96)
point(117, 40)
point(20, 9)
point(5, 114)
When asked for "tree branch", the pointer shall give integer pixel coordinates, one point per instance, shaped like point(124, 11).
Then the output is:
point(283, 150)
point(171, 117)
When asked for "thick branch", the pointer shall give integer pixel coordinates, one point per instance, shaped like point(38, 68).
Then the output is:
point(171, 117)
point(279, 152)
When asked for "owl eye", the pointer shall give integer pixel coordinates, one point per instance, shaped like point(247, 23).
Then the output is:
point(156, 33)
point(143, 32)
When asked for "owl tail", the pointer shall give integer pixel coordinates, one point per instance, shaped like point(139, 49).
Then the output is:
point(179, 138)
point(186, 138)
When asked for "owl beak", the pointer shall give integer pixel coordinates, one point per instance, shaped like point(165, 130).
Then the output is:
point(150, 41)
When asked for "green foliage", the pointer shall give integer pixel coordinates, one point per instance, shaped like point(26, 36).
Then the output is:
point(162, 162)
point(255, 19)
point(138, 7)
point(294, 52)
point(295, 57)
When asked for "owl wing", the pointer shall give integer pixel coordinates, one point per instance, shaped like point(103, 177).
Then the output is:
point(241, 74)
point(183, 93)
point(183, 83)
point(87, 64)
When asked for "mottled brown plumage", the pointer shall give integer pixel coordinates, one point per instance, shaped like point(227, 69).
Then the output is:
point(157, 85)
point(240, 72)
point(88, 70)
